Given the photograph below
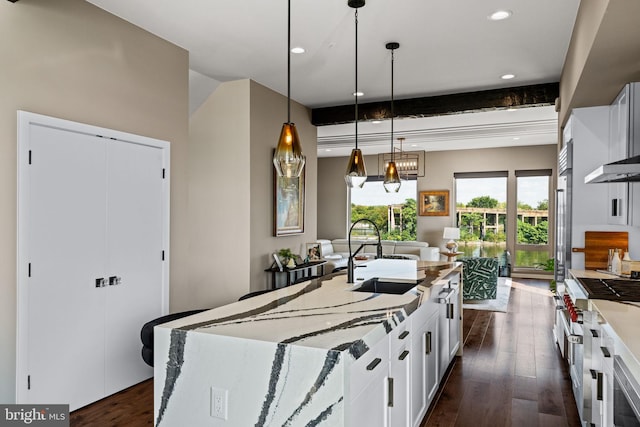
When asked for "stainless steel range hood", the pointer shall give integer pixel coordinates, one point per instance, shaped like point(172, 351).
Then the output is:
point(627, 170)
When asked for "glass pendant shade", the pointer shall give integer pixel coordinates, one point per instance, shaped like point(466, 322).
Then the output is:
point(356, 172)
point(288, 158)
point(391, 181)
point(391, 178)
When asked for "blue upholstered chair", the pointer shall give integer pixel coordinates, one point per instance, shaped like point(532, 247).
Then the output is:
point(479, 278)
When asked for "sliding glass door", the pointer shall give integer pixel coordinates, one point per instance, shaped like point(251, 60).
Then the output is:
point(532, 237)
point(481, 213)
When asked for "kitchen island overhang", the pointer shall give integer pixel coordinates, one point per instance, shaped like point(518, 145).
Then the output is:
point(281, 358)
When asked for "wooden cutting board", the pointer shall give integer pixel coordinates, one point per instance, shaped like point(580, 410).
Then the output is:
point(597, 245)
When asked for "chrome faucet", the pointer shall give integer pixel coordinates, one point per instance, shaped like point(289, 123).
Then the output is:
point(350, 263)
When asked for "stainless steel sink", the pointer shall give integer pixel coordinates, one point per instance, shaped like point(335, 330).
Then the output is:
point(384, 287)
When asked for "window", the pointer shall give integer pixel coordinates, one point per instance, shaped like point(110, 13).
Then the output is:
point(532, 238)
point(481, 212)
point(393, 213)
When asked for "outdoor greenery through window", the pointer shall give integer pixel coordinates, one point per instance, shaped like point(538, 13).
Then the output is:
point(532, 240)
point(393, 213)
point(481, 215)
point(481, 209)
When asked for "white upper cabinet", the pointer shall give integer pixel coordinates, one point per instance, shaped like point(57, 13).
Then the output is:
point(624, 119)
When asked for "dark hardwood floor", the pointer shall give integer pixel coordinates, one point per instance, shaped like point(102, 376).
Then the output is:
point(511, 374)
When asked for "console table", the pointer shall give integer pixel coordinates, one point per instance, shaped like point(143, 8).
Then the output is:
point(299, 272)
point(451, 255)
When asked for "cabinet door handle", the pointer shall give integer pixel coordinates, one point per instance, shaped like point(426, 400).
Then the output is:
point(427, 345)
point(371, 366)
point(390, 391)
point(403, 355)
point(599, 386)
point(100, 282)
point(449, 311)
point(594, 333)
point(403, 335)
point(605, 351)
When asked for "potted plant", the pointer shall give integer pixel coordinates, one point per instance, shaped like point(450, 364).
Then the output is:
point(287, 257)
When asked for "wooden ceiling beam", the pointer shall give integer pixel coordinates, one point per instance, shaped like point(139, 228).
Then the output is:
point(486, 100)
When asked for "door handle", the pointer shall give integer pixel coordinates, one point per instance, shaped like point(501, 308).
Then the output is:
point(403, 355)
point(100, 282)
point(403, 335)
point(114, 280)
point(427, 344)
point(390, 391)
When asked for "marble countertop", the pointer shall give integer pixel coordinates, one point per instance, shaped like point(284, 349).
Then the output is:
point(324, 313)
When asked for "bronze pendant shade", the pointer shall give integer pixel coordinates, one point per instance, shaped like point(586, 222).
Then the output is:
point(356, 174)
point(391, 178)
point(288, 158)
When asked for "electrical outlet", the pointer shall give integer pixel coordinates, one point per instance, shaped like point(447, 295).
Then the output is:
point(219, 403)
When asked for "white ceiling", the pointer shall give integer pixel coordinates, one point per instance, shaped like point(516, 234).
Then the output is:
point(446, 46)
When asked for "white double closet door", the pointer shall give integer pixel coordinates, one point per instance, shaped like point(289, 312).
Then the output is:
point(94, 241)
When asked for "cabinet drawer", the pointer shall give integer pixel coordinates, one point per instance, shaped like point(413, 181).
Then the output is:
point(400, 335)
point(369, 366)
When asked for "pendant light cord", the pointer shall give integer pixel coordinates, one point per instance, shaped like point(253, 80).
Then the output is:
point(289, 61)
point(392, 112)
point(356, 91)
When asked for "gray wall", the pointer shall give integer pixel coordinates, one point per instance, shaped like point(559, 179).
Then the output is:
point(233, 135)
point(69, 59)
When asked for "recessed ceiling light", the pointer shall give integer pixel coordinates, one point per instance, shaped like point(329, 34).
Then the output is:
point(357, 93)
point(507, 76)
point(414, 145)
point(499, 15)
point(328, 149)
point(376, 122)
point(511, 109)
point(297, 49)
point(516, 138)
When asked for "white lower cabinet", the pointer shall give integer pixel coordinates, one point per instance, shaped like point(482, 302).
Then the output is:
point(393, 384)
point(449, 323)
point(369, 387)
point(400, 375)
point(424, 362)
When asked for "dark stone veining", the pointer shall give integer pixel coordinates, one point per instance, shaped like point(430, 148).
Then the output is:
point(174, 367)
point(324, 414)
point(276, 368)
point(258, 310)
point(330, 362)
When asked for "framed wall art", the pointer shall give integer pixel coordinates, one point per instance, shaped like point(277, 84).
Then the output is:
point(434, 203)
point(288, 204)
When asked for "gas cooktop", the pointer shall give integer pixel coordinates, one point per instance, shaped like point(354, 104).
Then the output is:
point(611, 289)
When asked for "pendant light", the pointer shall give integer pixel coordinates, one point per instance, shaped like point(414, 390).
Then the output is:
point(288, 158)
point(356, 172)
point(391, 177)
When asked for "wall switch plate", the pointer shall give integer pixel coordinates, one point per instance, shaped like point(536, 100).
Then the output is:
point(219, 403)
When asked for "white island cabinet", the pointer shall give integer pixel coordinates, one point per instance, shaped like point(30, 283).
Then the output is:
point(313, 354)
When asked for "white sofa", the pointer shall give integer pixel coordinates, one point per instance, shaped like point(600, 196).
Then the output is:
point(336, 251)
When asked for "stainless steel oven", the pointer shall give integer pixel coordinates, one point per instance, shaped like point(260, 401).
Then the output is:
point(626, 395)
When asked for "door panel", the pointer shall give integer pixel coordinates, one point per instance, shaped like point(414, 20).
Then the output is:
point(67, 253)
point(134, 241)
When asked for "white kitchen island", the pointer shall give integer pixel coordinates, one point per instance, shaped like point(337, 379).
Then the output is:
point(315, 353)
